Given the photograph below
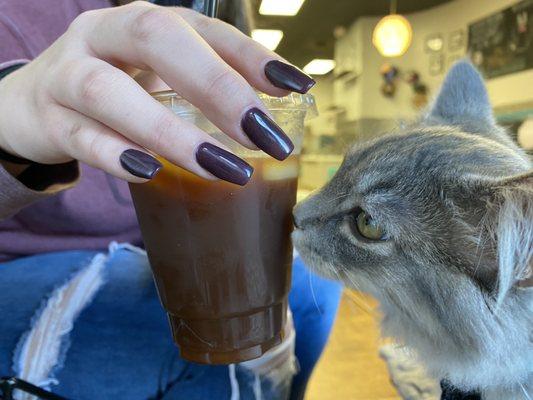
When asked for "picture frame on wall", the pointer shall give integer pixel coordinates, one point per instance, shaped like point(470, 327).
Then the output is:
point(453, 59)
point(456, 40)
point(434, 43)
point(502, 43)
point(436, 64)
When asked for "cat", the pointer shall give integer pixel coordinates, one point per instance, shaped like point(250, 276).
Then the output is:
point(435, 220)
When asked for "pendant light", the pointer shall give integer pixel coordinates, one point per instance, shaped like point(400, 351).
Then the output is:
point(393, 34)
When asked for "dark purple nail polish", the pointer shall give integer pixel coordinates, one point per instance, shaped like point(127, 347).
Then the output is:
point(286, 76)
point(223, 164)
point(139, 163)
point(266, 134)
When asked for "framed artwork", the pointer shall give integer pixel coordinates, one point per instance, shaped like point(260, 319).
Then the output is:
point(453, 59)
point(436, 64)
point(456, 40)
point(502, 43)
point(434, 43)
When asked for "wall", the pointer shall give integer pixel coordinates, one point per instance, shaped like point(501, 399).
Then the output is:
point(350, 55)
point(363, 99)
point(323, 92)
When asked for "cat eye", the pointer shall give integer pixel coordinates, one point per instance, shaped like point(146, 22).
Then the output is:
point(367, 227)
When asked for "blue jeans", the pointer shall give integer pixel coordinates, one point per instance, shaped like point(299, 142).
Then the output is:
point(120, 345)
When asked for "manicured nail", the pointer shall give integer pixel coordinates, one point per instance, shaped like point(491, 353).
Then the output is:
point(223, 164)
point(140, 164)
point(287, 76)
point(266, 134)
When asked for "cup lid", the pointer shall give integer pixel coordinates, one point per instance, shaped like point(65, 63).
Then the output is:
point(293, 101)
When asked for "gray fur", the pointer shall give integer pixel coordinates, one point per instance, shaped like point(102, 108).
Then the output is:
point(455, 196)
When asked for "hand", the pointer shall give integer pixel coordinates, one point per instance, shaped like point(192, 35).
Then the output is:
point(77, 101)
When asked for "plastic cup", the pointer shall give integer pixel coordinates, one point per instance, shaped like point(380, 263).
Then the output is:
point(220, 253)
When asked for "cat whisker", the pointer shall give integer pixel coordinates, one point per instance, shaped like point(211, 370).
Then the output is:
point(336, 273)
point(313, 294)
point(342, 196)
point(479, 253)
point(526, 395)
point(356, 299)
point(481, 241)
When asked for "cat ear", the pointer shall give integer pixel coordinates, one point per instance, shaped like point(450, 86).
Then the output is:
point(463, 99)
point(510, 223)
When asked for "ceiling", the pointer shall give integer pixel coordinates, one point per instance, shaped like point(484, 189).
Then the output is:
point(309, 34)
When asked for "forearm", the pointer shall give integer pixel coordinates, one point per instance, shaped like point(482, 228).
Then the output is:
point(22, 183)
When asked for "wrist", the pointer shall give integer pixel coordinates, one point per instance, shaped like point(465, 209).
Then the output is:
point(8, 159)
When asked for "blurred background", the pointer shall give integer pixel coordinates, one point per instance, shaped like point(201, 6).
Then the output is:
point(371, 78)
point(378, 63)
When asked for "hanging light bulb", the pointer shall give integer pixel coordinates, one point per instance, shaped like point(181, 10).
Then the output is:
point(393, 34)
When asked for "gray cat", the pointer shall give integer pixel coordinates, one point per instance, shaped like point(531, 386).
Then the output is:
point(436, 222)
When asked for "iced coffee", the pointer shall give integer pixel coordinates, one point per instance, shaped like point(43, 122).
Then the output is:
point(220, 253)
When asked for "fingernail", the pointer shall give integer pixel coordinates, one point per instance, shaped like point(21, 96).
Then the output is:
point(223, 164)
point(266, 134)
point(287, 76)
point(140, 164)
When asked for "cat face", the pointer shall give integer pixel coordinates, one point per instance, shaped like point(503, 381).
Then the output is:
point(414, 211)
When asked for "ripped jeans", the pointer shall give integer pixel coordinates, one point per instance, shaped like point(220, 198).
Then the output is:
point(90, 326)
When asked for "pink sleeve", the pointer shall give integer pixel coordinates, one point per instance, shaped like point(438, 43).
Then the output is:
point(12, 48)
point(27, 27)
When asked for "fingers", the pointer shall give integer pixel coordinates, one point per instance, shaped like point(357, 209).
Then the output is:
point(105, 94)
point(158, 39)
point(95, 144)
point(263, 68)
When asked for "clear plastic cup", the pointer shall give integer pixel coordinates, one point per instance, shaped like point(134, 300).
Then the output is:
point(220, 253)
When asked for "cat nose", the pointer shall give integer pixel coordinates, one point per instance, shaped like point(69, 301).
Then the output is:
point(301, 214)
point(307, 210)
point(296, 217)
point(295, 222)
